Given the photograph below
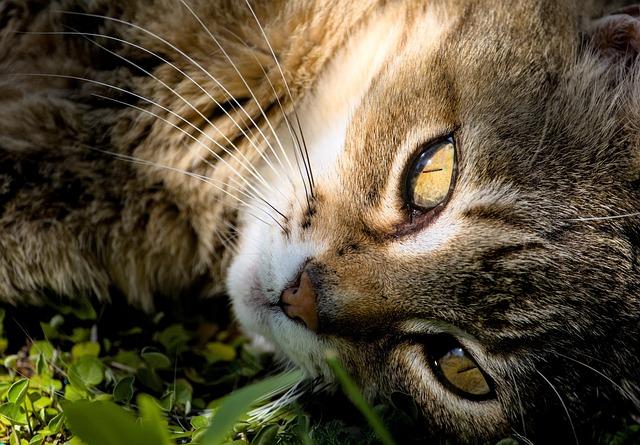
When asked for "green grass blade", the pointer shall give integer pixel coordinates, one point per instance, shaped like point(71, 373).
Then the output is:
point(356, 397)
point(240, 402)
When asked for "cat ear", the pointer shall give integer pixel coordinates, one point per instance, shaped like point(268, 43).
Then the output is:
point(617, 35)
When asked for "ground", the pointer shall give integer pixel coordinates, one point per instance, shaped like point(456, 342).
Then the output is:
point(106, 375)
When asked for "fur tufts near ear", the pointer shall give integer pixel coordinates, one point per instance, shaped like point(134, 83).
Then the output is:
point(617, 35)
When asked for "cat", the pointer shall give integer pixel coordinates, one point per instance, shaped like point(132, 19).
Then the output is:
point(444, 194)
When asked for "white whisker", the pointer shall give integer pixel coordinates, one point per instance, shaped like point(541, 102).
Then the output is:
point(575, 435)
point(286, 84)
point(196, 176)
point(242, 78)
point(253, 170)
point(191, 174)
point(220, 158)
point(190, 59)
point(620, 388)
point(604, 218)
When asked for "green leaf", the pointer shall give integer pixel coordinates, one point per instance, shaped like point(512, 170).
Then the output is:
point(10, 361)
point(14, 439)
point(83, 309)
point(241, 401)
point(198, 422)
point(73, 393)
point(42, 347)
point(183, 392)
point(123, 391)
point(38, 439)
point(156, 360)
point(86, 349)
point(104, 423)
point(356, 397)
point(219, 352)
point(150, 379)
point(55, 424)
point(14, 413)
point(18, 391)
point(89, 370)
point(174, 338)
point(152, 417)
point(266, 436)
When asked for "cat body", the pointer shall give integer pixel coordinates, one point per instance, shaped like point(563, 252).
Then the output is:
point(268, 150)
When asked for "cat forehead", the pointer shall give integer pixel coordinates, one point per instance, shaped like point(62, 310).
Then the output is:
point(453, 66)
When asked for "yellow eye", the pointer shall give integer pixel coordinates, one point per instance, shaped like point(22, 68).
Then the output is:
point(431, 176)
point(456, 369)
point(463, 374)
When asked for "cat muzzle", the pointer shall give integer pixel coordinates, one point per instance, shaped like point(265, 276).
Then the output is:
point(298, 302)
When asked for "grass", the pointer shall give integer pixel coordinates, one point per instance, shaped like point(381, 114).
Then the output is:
point(112, 375)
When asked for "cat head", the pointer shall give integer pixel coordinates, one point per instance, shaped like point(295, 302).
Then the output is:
point(453, 224)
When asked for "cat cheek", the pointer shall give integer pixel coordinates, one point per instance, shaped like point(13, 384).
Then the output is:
point(618, 35)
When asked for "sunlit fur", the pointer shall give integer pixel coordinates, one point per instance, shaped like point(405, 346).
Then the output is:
point(176, 191)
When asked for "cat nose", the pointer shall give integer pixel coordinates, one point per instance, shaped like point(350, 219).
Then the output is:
point(299, 302)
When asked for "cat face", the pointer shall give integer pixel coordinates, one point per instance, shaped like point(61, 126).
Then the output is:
point(455, 242)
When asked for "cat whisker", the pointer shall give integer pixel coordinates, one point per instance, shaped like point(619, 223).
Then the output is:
point(286, 84)
point(280, 106)
point(244, 81)
point(600, 373)
point(202, 178)
point(192, 61)
point(604, 218)
point(220, 158)
point(573, 430)
point(239, 188)
point(515, 386)
point(254, 172)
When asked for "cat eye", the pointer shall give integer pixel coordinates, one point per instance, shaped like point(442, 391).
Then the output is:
point(431, 175)
point(457, 370)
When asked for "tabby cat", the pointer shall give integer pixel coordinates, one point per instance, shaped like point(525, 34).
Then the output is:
point(444, 193)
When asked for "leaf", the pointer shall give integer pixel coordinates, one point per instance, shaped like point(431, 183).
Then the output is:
point(18, 391)
point(86, 349)
point(150, 379)
point(73, 393)
point(152, 417)
point(55, 424)
point(183, 394)
point(174, 338)
point(10, 361)
point(38, 439)
point(240, 401)
point(198, 422)
point(14, 439)
point(219, 352)
point(156, 360)
point(83, 309)
point(14, 413)
point(266, 436)
point(104, 423)
point(4, 344)
point(123, 391)
point(42, 402)
point(42, 347)
point(356, 397)
point(89, 370)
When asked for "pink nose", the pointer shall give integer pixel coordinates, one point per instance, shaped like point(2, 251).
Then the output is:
point(299, 302)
